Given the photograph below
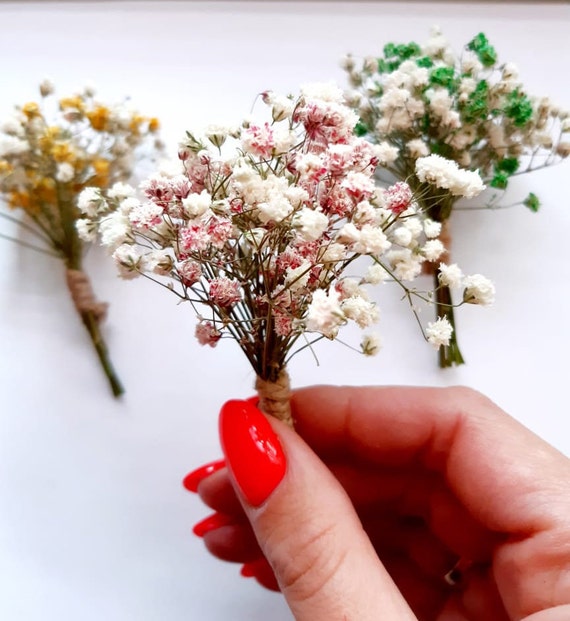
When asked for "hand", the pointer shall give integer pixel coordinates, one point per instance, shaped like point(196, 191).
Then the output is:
point(364, 511)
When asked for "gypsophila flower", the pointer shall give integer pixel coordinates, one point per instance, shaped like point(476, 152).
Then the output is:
point(256, 232)
point(450, 125)
point(439, 332)
point(446, 174)
point(371, 344)
point(51, 150)
point(478, 290)
point(450, 275)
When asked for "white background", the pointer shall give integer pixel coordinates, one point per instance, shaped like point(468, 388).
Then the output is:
point(94, 523)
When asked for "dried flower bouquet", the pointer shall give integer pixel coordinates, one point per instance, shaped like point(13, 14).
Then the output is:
point(49, 152)
point(256, 229)
point(425, 100)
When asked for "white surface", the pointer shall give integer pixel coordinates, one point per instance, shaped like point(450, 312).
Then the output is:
point(94, 523)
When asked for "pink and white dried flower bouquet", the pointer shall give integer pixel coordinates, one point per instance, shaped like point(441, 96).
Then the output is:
point(259, 224)
point(418, 100)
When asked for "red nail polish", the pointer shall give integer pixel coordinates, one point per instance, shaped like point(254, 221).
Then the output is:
point(262, 572)
point(216, 520)
point(192, 480)
point(252, 449)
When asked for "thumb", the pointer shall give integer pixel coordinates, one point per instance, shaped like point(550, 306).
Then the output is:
point(305, 523)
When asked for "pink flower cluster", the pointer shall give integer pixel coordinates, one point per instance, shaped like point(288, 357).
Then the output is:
point(257, 236)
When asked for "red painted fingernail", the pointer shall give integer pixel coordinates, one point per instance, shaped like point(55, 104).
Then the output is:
point(252, 449)
point(247, 571)
point(192, 479)
point(216, 520)
point(262, 572)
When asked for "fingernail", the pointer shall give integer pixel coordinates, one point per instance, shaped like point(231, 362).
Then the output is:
point(262, 572)
point(192, 479)
point(216, 520)
point(248, 570)
point(252, 449)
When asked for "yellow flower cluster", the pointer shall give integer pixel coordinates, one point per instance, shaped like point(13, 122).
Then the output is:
point(50, 150)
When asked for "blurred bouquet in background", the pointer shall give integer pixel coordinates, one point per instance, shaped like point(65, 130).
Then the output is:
point(417, 101)
point(258, 224)
point(50, 151)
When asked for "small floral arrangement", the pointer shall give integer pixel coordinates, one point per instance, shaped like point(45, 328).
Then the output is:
point(258, 226)
point(424, 101)
point(49, 152)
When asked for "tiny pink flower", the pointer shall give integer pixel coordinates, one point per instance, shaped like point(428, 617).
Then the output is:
point(190, 272)
point(194, 238)
point(224, 292)
point(220, 230)
point(207, 334)
point(258, 140)
point(158, 190)
point(398, 197)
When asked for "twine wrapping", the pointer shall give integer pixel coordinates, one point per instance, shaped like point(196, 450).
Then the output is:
point(431, 267)
point(274, 397)
point(83, 296)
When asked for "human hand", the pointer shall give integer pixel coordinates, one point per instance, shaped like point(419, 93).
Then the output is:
point(362, 513)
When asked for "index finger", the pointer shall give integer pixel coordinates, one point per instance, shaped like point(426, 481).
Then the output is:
point(502, 472)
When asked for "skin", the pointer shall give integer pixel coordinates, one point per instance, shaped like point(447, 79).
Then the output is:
point(386, 490)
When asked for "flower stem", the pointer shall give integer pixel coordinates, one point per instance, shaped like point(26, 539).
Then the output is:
point(91, 323)
point(449, 355)
point(92, 313)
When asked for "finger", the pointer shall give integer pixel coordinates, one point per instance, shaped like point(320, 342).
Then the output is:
point(217, 492)
point(508, 479)
point(305, 524)
point(454, 431)
point(235, 543)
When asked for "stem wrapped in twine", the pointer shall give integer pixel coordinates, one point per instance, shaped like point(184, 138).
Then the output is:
point(274, 397)
point(92, 314)
point(83, 295)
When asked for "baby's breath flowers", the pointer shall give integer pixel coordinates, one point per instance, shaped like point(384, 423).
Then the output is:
point(257, 228)
point(423, 103)
point(49, 152)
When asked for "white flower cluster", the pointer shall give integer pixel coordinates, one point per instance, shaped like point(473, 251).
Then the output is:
point(447, 175)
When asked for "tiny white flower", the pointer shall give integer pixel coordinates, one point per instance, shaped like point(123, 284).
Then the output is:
point(433, 249)
point(128, 260)
point(417, 148)
point(121, 191)
point(195, 205)
point(439, 332)
point(444, 173)
point(363, 312)
point(324, 314)
point(402, 236)
point(310, 224)
point(86, 229)
point(450, 275)
point(90, 201)
point(478, 290)
point(12, 145)
point(371, 344)
point(46, 87)
point(65, 172)
point(114, 230)
point(375, 274)
point(432, 228)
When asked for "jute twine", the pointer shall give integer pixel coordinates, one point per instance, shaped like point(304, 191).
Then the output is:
point(83, 296)
point(430, 267)
point(274, 397)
